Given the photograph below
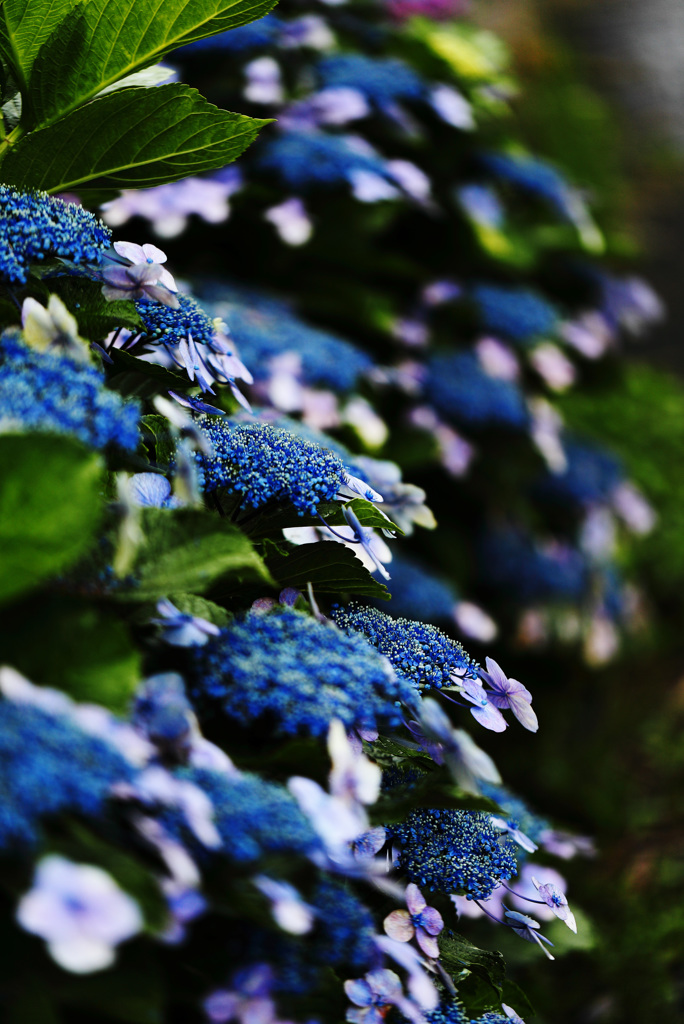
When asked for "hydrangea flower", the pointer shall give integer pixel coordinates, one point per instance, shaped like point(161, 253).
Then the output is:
point(453, 852)
point(247, 1001)
point(295, 675)
point(53, 393)
point(305, 158)
point(527, 928)
point(81, 913)
point(418, 920)
point(374, 994)
point(516, 313)
point(422, 654)
point(34, 226)
point(142, 277)
point(52, 328)
point(181, 629)
point(48, 765)
point(469, 765)
point(460, 390)
point(267, 464)
point(508, 693)
point(557, 901)
point(382, 80)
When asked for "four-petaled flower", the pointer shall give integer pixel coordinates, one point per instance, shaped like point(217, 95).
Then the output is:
point(557, 901)
point(509, 693)
point(527, 928)
point(419, 920)
point(142, 277)
point(375, 993)
point(81, 913)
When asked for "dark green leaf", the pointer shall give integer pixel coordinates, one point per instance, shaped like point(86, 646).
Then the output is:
point(24, 26)
point(457, 953)
point(514, 996)
point(72, 645)
point(96, 317)
point(164, 445)
point(191, 604)
point(131, 376)
point(270, 523)
point(187, 550)
point(134, 138)
point(329, 567)
point(49, 507)
point(103, 41)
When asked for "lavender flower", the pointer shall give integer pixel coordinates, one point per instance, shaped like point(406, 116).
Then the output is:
point(142, 277)
point(287, 906)
point(81, 913)
point(375, 993)
point(557, 901)
point(509, 693)
point(465, 759)
point(248, 1000)
point(368, 541)
point(519, 837)
point(181, 629)
point(527, 928)
point(419, 920)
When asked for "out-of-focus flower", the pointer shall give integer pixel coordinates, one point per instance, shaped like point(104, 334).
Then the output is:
point(151, 490)
point(455, 747)
point(474, 621)
point(633, 509)
point(247, 1001)
point(264, 81)
point(497, 360)
point(374, 994)
point(291, 221)
point(418, 920)
point(289, 910)
point(453, 107)
point(167, 207)
point(553, 366)
point(53, 327)
point(181, 629)
point(81, 913)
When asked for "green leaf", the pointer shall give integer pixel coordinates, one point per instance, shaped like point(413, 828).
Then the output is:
point(49, 507)
point(164, 444)
point(134, 138)
point(24, 26)
point(96, 317)
point(72, 645)
point(191, 604)
point(187, 551)
point(132, 376)
point(457, 953)
point(103, 41)
point(330, 568)
point(271, 522)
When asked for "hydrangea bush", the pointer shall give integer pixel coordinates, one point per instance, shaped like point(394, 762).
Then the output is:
point(233, 788)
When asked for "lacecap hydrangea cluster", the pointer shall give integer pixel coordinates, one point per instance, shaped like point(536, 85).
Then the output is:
point(293, 675)
point(420, 653)
point(461, 391)
point(34, 225)
point(53, 393)
point(454, 852)
point(49, 765)
point(266, 464)
point(167, 326)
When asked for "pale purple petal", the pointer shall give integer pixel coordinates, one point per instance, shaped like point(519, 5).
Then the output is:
point(524, 713)
point(131, 251)
point(428, 944)
point(149, 490)
point(150, 252)
point(431, 921)
point(490, 717)
point(399, 926)
point(415, 901)
point(359, 992)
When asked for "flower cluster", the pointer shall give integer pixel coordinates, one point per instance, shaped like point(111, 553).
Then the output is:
point(55, 393)
point(34, 226)
point(459, 852)
point(294, 675)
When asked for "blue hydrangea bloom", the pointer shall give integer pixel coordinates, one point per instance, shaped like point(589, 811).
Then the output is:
point(591, 475)
point(531, 174)
point(382, 80)
point(346, 931)
point(290, 672)
point(460, 390)
point(34, 225)
point(263, 330)
point(512, 562)
point(515, 313)
point(171, 326)
point(422, 654)
point(49, 765)
point(315, 158)
point(447, 1013)
point(258, 35)
point(254, 818)
point(419, 594)
point(265, 463)
point(455, 852)
point(52, 393)
point(516, 810)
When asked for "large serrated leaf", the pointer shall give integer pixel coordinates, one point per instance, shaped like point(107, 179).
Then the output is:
point(24, 26)
point(330, 568)
point(133, 138)
point(103, 41)
point(49, 507)
point(187, 551)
